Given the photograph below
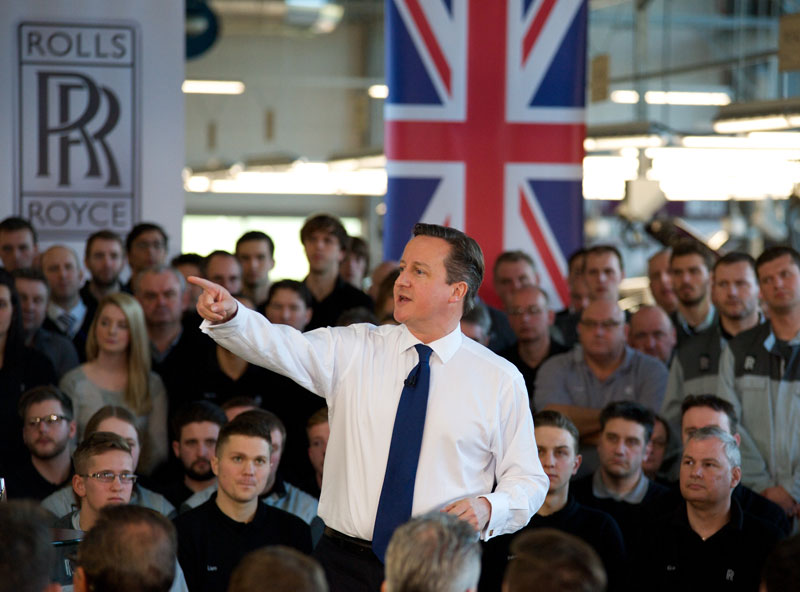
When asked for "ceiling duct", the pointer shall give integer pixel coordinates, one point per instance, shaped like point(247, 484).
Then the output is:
point(278, 16)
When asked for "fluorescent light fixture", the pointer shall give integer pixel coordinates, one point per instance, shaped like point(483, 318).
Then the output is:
point(764, 140)
point(378, 91)
point(753, 124)
point(620, 142)
point(719, 238)
point(756, 116)
point(672, 97)
point(604, 176)
point(213, 87)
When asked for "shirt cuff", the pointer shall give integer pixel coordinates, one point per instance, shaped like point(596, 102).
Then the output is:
point(499, 503)
point(209, 328)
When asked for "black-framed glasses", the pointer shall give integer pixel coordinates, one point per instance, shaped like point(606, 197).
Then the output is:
point(109, 476)
point(48, 420)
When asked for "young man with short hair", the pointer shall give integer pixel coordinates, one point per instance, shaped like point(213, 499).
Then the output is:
point(214, 537)
point(690, 268)
point(103, 476)
point(603, 272)
point(105, 259)
point(18, 244)
point(224, 269)
point(256, 254)
point(146, 246)
point(47, 428)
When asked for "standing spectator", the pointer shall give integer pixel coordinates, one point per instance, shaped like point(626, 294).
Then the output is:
point(477, 324)
point(224, 269)
point(355, 264)
point(512, 270)
point(652, 333)
point(318, 431)
point(146, 246)
point(104, 258)
point(33, 296)
point(658, 273)
point(325, 240)
point(256, 254)
point(189, 264)
point(603, 272)
point(118, 373)
point(18, 245)
point(689, 267)
point(565, 326)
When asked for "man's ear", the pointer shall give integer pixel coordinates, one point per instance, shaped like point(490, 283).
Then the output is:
point(736, 476)
point(383, 586)
point(578, 461)
point(458, 291)
point(78, 485)
point(176, 448)
point(79, 583)
point(215, 464)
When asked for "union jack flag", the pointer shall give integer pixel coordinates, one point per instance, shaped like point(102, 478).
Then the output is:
point(484, 126)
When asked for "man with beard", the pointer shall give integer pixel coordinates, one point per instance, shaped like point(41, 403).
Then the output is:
point(195, 429)
point(48, 426)
point(104, 258)
point(689, 267)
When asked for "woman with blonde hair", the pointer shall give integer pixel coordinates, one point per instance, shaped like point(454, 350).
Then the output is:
point(117, 372)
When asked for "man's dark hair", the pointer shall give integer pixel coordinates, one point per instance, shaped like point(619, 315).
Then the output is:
point(239, 401)
point(250, 423)
point(631, 411)
point(94, 445)
point(256, 235)
point(30, 273)
point(782, 568)
point(320, 416)
point(129, 549)
point(479, 315)
point(359, 247)
point(776, 252)
point(555, 419)
point(218, 253)
point(27, 555)
point(712, 402)
point(464, 263)
point(325, 223)
point(286, 570)
point(736, 257)
point(513, 257)
point(187, 259)
point(579, 253)
point(15, 337)
point(604, 250)
point(101, 235)
point(40, 394)
point(15, 223)
point(141, 229)
point(298, 288)
point(356, 315)
point(197, 412)
point(686, 247)
point(549, 560)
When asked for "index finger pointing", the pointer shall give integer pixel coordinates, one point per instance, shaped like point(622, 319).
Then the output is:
point(207, 285)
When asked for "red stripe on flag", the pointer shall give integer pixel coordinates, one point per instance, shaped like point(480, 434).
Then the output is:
point(431, 43)
point(536, 27)
point(543, 248)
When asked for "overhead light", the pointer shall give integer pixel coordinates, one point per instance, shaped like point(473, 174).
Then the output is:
point(636, 134)
point(378, 91)
point(672, 97)
point(621, 142)
point(758, 116)
point(213, 87)
point(765, 140)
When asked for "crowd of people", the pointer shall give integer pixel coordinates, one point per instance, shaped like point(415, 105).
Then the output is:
point(668, 436)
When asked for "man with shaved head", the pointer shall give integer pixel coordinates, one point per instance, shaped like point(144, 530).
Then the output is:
point(652, 333)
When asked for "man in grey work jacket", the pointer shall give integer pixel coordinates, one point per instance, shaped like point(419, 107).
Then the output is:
point(477, 428)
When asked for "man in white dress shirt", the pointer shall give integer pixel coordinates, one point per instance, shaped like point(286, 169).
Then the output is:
point(478, 429)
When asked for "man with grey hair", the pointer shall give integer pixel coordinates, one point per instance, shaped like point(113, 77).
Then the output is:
point(436, 552)
point(708, 543)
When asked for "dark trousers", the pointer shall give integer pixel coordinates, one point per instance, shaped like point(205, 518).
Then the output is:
point(349, 567)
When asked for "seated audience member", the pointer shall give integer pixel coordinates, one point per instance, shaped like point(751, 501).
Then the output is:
point(103, 475)
point(195, 429)
point(47, 429)
point(129, 549)
point(224, 269)
point(288, 303)
point(619, 486)
point(118, 373)
point(277, 492)
point(67, 313)
point(689, 265)
point(318, 431)
point(657, 464)
point(119, 421)
point(325, 241)
point(580, 382)
point(355, 264)
point(175, 348)
point(214, 537)
point(549, 560)
point(277, 569)
point(512, 271)
point(709, 543)
point(782, 568)
point(146, 247)
point(189, 264)
point(383, 269)
point(255, 251)
point(531, 319)
point(27, 555)
point(21, 368)
point(18, 244)
point(565, 323)
point(104, 258)
point(661, 281)
point(557, 441)
point(477, 325)
point(384, 302)
point(435, 552)
point(238, 405)
point(33, 296)
point(652, 333)
point(699, 411)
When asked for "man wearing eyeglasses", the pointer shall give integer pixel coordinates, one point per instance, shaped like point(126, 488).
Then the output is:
point(531, 319)
point(601, 370)
point(48, 427)
point(103, 476)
